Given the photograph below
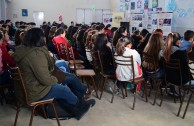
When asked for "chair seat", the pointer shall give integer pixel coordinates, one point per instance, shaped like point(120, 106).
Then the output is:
point(107, 75)
point(78, 66)
point(136, 81)
point(42, 102)
point(76, 61)
point(86, 72)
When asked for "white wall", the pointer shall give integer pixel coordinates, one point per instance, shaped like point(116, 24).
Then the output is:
point(52, 8)
point(181, 24)
point(3, 7)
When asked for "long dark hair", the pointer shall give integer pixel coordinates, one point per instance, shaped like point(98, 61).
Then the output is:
point(118, 34)
point(100, 42)
point(34, 37)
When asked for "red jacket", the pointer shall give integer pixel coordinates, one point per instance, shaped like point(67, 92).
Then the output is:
point(6, 58)
point(59, 40)
point(108, 33)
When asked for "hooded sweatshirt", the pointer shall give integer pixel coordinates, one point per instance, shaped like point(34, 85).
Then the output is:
point(36, 66)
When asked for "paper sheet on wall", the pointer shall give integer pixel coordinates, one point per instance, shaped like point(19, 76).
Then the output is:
point(117, 17)
point(136, 22)
point(165, 22)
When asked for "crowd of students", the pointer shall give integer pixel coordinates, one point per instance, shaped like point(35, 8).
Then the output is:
point(33, 51)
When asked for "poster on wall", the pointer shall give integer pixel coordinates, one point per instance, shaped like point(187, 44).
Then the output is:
point(154, 3)
point(117, 17)
point(127, 1)
point(132, 5)
point(146, 4)
point(107, 19)
point(154, 21)
point(24, 12)
point(165, 22)
point(139, 4)
point(136, 22)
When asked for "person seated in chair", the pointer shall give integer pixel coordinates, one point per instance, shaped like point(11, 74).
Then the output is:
point(44, 81)
point(5, 59)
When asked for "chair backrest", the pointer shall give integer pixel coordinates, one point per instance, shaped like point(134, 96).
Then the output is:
point(100, 62)
point(150, 60)
point(16, 75)
point(64, 51)
point(95, 60)
point(125, 61)
point(71, 55)
point(172, 71)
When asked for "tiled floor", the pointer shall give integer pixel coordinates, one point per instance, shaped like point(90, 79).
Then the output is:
point(118, 113)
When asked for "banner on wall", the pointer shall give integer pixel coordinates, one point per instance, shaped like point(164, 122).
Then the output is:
point(117, 17)
point(107, 19)
point(136, 22)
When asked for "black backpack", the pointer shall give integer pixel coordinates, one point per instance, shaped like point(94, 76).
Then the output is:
point(63, 114)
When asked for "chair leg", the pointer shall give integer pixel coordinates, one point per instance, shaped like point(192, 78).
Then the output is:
point(145, 90)
point(56, 114)
point(134, 95)
point(94, 86)
point(187, 106)
point(181, 104)
point(122, 89)
point(17, 114)
point(32, 115)
point(125, 87)
point(43, 110)
point(157, 88)
point(180, 95)
point(162, 97)
point(113, 93)
point(102, 88)
point(174, 97)
point(1, 100)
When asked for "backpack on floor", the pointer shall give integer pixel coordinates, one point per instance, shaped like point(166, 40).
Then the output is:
point(63, 114)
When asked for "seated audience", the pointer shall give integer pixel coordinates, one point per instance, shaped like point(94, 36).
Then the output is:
point(153, 47)
point(105, 53)
point(172, 51)
point(45, 80)
point(123, 48)
point(5, 59)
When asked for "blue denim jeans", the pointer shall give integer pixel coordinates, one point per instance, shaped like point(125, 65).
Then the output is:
point(62, 65)
point(71, 91)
